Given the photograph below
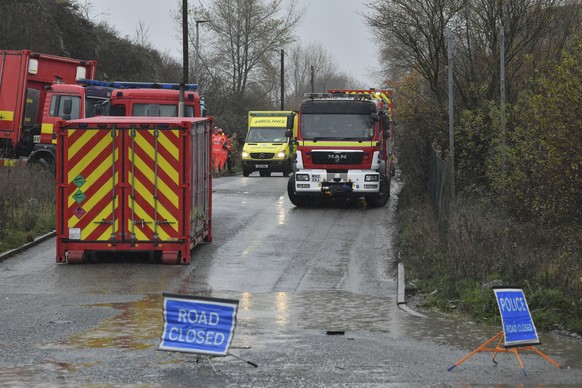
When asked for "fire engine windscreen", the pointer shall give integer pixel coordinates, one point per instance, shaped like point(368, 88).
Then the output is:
point(317, 126)
point(96, 107)
point(160, 110)
point(266, 135)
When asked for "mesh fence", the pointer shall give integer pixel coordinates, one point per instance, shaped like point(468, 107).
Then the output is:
point(439, 182)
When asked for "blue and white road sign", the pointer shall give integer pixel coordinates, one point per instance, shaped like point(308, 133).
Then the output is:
point(518, 326)
point(198, 324)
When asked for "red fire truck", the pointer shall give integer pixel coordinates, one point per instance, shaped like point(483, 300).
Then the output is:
point(36, 90)
point(344, 147)
point(27, 81)
point(131, 186)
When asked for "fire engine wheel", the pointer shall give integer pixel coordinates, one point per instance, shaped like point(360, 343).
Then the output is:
point(295, 200)
point(46, 164)
point(382, 198)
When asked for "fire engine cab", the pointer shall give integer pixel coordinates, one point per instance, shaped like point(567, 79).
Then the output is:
point(344, 147)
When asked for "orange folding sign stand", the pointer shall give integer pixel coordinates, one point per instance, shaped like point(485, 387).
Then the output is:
point(501, 349)
point(519, 333)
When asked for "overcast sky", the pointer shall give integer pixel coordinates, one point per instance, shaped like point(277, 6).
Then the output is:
point(335, 24)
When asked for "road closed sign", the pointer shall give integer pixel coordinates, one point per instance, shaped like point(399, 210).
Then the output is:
point(198, 324)
point(518, 326)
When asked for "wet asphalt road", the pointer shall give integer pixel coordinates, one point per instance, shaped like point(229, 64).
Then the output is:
point(299, 275)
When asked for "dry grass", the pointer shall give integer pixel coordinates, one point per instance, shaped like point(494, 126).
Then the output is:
point(481, 247)
point(27, 205)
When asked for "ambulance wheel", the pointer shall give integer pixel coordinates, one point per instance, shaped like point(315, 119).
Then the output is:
point(246, 171)
point(294, 198)
point(286, 169)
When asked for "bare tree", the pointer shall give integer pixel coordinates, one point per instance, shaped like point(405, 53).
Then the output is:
point(414, 34)
point(300, 63)
point(245, 33)
point(87, 9)
point(142, 35)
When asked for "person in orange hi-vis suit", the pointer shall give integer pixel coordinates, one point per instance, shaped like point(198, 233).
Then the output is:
point(219, 149)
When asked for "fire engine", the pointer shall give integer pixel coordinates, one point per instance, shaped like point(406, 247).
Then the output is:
point(344, 146)
point(27, 81)
point(91, 98)
point(37, 90)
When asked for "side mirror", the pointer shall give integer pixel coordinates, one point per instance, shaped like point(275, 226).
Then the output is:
point(67, 106)
point(374, 116)
point(288, 133)
point(290, 121)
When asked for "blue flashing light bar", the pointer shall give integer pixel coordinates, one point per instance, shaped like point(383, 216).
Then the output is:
point(137, 85)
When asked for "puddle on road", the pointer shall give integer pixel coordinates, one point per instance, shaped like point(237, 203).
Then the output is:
point(267, 319)
point(137, 326)
point(22, 375)
point(462, 333)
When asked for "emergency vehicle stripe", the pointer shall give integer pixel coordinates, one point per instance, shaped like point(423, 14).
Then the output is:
point(144, 204)
point(47, 130)
point(144, 183)
point(337, 144)
point(89, 156)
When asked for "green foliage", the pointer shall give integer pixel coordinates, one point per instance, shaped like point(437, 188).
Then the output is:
point(420, 122)
point(517, 216)
point(475, 140)
point(543, 181)
point(478, 302)
point(58, 27)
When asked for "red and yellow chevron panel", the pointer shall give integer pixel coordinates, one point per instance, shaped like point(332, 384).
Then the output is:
point(131, 184)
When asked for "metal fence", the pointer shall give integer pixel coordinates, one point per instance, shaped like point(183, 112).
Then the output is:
point(438, 182)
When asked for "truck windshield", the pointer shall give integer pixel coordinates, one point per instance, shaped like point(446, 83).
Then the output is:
point(336, 126)
point(161, 110)
point(266, 135)
point(96, 107)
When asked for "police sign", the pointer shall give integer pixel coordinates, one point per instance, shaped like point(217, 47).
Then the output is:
point(198, 324)
point(518, 326)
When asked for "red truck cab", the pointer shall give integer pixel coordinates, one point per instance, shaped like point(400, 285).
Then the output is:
point(154, 102)
point(68, 102)
point(26, 78)
point(344, 147)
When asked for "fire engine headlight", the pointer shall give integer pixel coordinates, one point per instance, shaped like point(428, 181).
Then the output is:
point(302, 177)
point(372, 178)
point(245, 154)
point(281, 154)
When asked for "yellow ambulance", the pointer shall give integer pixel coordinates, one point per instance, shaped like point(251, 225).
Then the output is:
point(269, 143)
